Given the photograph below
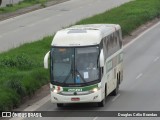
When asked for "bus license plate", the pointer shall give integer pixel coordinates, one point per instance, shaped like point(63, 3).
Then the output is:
point(75, 99)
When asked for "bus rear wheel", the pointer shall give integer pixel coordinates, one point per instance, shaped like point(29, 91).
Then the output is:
point(59, 104)
point(115, 92)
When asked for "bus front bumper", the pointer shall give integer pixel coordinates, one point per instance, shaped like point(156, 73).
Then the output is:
point(92, 97)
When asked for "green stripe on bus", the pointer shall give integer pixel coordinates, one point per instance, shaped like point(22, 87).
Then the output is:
point(87, 88)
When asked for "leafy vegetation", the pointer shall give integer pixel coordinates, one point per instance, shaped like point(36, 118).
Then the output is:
point(22, 72)
point(21, 69)
point(130, 15)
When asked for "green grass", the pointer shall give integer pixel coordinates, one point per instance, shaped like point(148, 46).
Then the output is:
point(130, 15)
point(21, 4)
point(9, 99)
point(22, 72)
point(21, 69)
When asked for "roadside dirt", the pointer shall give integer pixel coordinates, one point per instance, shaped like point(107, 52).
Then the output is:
point(38, 95)
point(29, 9)
point(139, 30)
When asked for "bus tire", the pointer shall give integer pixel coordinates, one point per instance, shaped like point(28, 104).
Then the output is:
point(115, 91)
point(59, 104)
point(120, 77)
point(102, 103)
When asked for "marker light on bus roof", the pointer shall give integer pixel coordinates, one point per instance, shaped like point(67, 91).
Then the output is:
point(62, 49)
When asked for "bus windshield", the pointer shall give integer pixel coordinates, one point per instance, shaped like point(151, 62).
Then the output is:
point(74, 65)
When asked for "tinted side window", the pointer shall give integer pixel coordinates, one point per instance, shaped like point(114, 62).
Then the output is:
point(105, 47)
point(120, 38)
point(112, 43)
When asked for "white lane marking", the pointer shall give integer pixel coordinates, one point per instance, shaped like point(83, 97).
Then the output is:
point(59, 15)
point(140, 75)
point(31, 25)
point(135, 39)
point(157, 58)
point(47, 19)
point(95, 118)
point(115, 97)
point(39, 22)
point(16, 118)
point(90, 4)
point(35, 106)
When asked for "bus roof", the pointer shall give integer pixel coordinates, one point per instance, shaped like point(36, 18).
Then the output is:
point(83, 35)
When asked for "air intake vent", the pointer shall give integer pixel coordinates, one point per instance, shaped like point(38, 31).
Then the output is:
point(77, 31)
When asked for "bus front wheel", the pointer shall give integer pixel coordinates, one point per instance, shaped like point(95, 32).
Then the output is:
point(102, 103)
point(59, 104)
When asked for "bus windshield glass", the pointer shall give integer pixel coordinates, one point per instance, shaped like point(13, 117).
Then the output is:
point(74, 65)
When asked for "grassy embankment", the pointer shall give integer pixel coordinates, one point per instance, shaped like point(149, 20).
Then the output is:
point(21, 4)
point(21, 69)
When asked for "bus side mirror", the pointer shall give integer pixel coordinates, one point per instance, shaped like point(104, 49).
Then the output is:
point(101, 59)
point(46, 60)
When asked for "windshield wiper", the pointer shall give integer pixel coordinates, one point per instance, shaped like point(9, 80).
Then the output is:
point(81, 77)
point(71, 72)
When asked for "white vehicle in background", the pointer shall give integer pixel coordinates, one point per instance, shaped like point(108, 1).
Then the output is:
point(85, 63)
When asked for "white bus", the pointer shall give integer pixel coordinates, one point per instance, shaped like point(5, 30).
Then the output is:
point(85, 64)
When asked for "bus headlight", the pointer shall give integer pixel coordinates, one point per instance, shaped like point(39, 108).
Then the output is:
point(95, 89)
point(55, 91)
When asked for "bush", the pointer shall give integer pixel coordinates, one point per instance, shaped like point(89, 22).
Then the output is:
point(8, 99)
point(9, 5)
point(21, 61)
point(35, 80)
point(15, 84)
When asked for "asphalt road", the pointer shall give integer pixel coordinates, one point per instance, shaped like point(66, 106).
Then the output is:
point(35, 25)
point(140, 88)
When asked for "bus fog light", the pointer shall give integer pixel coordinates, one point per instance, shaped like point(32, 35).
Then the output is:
point(95, 97)
point(55, 98)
